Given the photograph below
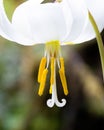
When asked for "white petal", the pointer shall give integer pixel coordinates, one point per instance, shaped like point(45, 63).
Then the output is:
point(67, 16)
point(7, 31)
point(20, 20)
point(86, 34)
point(80, 15)
point(96, 7)
point(44, 22)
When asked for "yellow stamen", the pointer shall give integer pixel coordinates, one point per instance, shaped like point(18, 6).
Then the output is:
point(62, 64)
point(52, 73)
point(62, 76)
point(41, 68)
point(52, 70)
point(50, 90)
point(43, 81)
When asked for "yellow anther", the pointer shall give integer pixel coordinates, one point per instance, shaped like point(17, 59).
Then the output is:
point(50, 90)
point(52, 70)
point(43, 82)
point(62, 76)
point(63, 81)
point(41, 68)
point(62, 64)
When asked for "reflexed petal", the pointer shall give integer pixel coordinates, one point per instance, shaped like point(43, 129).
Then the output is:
point(97, 10)
point(7, 31)
point(20, 20)
point(44, 22)
point(86, 34)
point(67, 16)
point(96, 7)
point(80, 16)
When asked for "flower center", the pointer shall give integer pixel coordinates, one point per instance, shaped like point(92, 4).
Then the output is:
point(52, 55)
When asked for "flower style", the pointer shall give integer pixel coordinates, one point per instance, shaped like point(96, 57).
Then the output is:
point(53, 24)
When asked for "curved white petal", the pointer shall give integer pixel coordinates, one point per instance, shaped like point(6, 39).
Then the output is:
point(86, 34)
point(44, 22)
point(7, 30)
point(80, 16)
point(20, 21)
point(96, 7)
point(67, 16)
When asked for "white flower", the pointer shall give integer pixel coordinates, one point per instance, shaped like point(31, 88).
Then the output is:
point(53, 24)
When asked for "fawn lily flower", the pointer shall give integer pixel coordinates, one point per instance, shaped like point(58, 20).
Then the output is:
point(52, 24)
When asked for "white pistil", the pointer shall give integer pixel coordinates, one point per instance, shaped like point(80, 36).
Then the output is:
point(54, 99)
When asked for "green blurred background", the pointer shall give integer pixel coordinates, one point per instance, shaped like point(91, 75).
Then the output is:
point(20, 106)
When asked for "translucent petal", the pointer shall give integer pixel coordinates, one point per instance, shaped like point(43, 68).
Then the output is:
point(20, 20)
point(80, 16)
point(45, 22)
point(7, 30)
point(86, 34)
point(67, 16)
point(96, 7)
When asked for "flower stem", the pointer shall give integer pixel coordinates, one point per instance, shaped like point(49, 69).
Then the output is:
point(99, 40)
